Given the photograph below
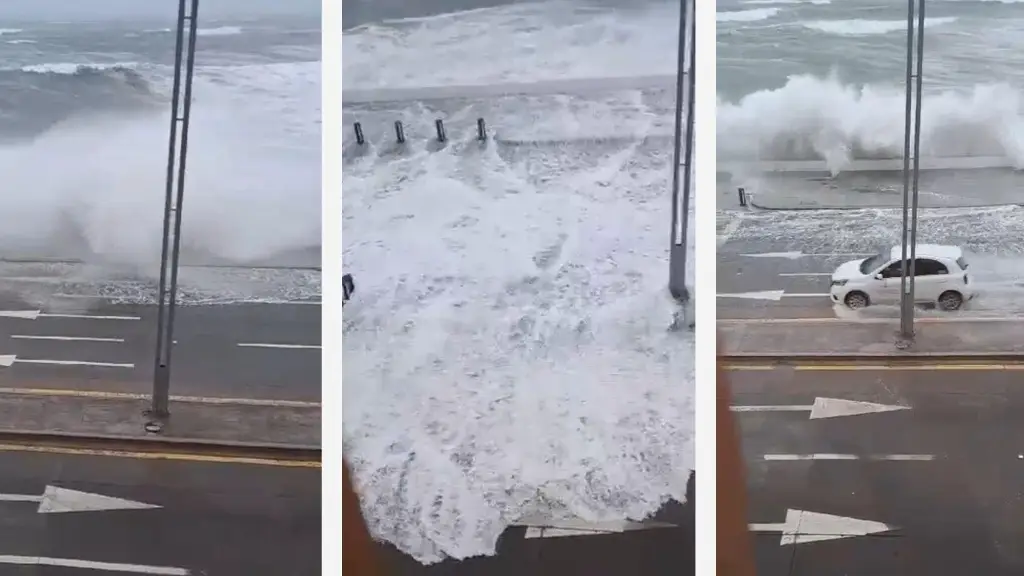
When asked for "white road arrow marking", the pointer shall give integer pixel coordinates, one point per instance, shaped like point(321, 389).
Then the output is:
point(774, 295)
point(35, 314)
point(549, 528)
point(23, 314)
point(56, 500)
point(802, 527)
point(798, 254)
point(8, 360)
point(91, 565)
point(826, 408)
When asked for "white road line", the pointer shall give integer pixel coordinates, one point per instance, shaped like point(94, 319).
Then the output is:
point(90, 317)
point(541, 528)
point(65, 338)
point(90, 565)
point(871, 457)
point(73, 363)
point(798, 295)
point(281, 346)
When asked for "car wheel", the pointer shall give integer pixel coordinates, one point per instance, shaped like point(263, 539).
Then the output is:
point(950, 301)
point(856, 300)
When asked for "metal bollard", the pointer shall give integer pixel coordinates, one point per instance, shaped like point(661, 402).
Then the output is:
point(399, 132)
point(441, 136)
point(481, 130)
point(743, 197)
point(359, 134)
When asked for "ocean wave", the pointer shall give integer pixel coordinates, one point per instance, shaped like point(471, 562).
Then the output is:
point(816, 118)
point(4, 31)
point(512, 44)
point(22, 41)
point(753, 15)
point(220, 31)
point(859, 27)
point(253, 163)
point(71, 68)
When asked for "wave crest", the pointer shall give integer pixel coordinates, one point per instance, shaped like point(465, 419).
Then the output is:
point(859, 27)
point(814, 118)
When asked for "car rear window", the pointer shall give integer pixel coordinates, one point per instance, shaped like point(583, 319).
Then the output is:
point(961, 263)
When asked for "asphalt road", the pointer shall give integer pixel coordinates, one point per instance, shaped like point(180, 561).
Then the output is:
point(213, 518)
point(659, 551)
point(778, 264)
point(235, 350)
point(944, 476)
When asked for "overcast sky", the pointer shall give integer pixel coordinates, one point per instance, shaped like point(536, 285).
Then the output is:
point(58, 10)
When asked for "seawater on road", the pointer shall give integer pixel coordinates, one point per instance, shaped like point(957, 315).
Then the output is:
point(663, 545)
point(932, 488)
point(198, 518)
point(779, 264)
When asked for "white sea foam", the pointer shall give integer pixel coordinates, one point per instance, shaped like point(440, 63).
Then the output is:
point(220, 31)
point(859, 27)
point(508, 352)
point(753, 15)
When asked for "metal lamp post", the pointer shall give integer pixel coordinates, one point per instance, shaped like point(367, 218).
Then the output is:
point(181, 107)
point(911, 173)
point(681, 206)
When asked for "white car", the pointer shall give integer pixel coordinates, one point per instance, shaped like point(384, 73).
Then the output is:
point(940, 278)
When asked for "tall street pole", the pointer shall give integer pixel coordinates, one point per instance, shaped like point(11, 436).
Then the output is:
point(917, 154)
point(906, 305)
point(181, 107)
point(681, 206)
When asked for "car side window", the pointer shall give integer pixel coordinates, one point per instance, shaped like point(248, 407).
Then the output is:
point(893, 270)
point(928, 267)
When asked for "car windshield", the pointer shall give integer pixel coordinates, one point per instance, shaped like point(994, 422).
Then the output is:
point(871, 263)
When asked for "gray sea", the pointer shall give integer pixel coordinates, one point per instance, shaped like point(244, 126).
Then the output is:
point(84, 119)
point(811, 101)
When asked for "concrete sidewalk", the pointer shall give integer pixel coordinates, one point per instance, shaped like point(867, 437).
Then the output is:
point(30, 414)
point(965, 338)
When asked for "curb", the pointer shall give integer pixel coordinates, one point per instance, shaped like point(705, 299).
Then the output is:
point(827, 208)
point(163, 444)
point(895, 357)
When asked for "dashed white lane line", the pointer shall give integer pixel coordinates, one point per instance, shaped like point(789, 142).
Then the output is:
point(280, 346)
point(7, 360)
point(870, 457)
point(90, 565)
point(35, 314)
point(90, 317)
point(65, 338)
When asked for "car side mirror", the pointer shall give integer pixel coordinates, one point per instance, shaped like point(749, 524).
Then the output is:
point(879, 276)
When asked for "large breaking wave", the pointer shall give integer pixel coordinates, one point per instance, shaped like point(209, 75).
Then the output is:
point(823, 118)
